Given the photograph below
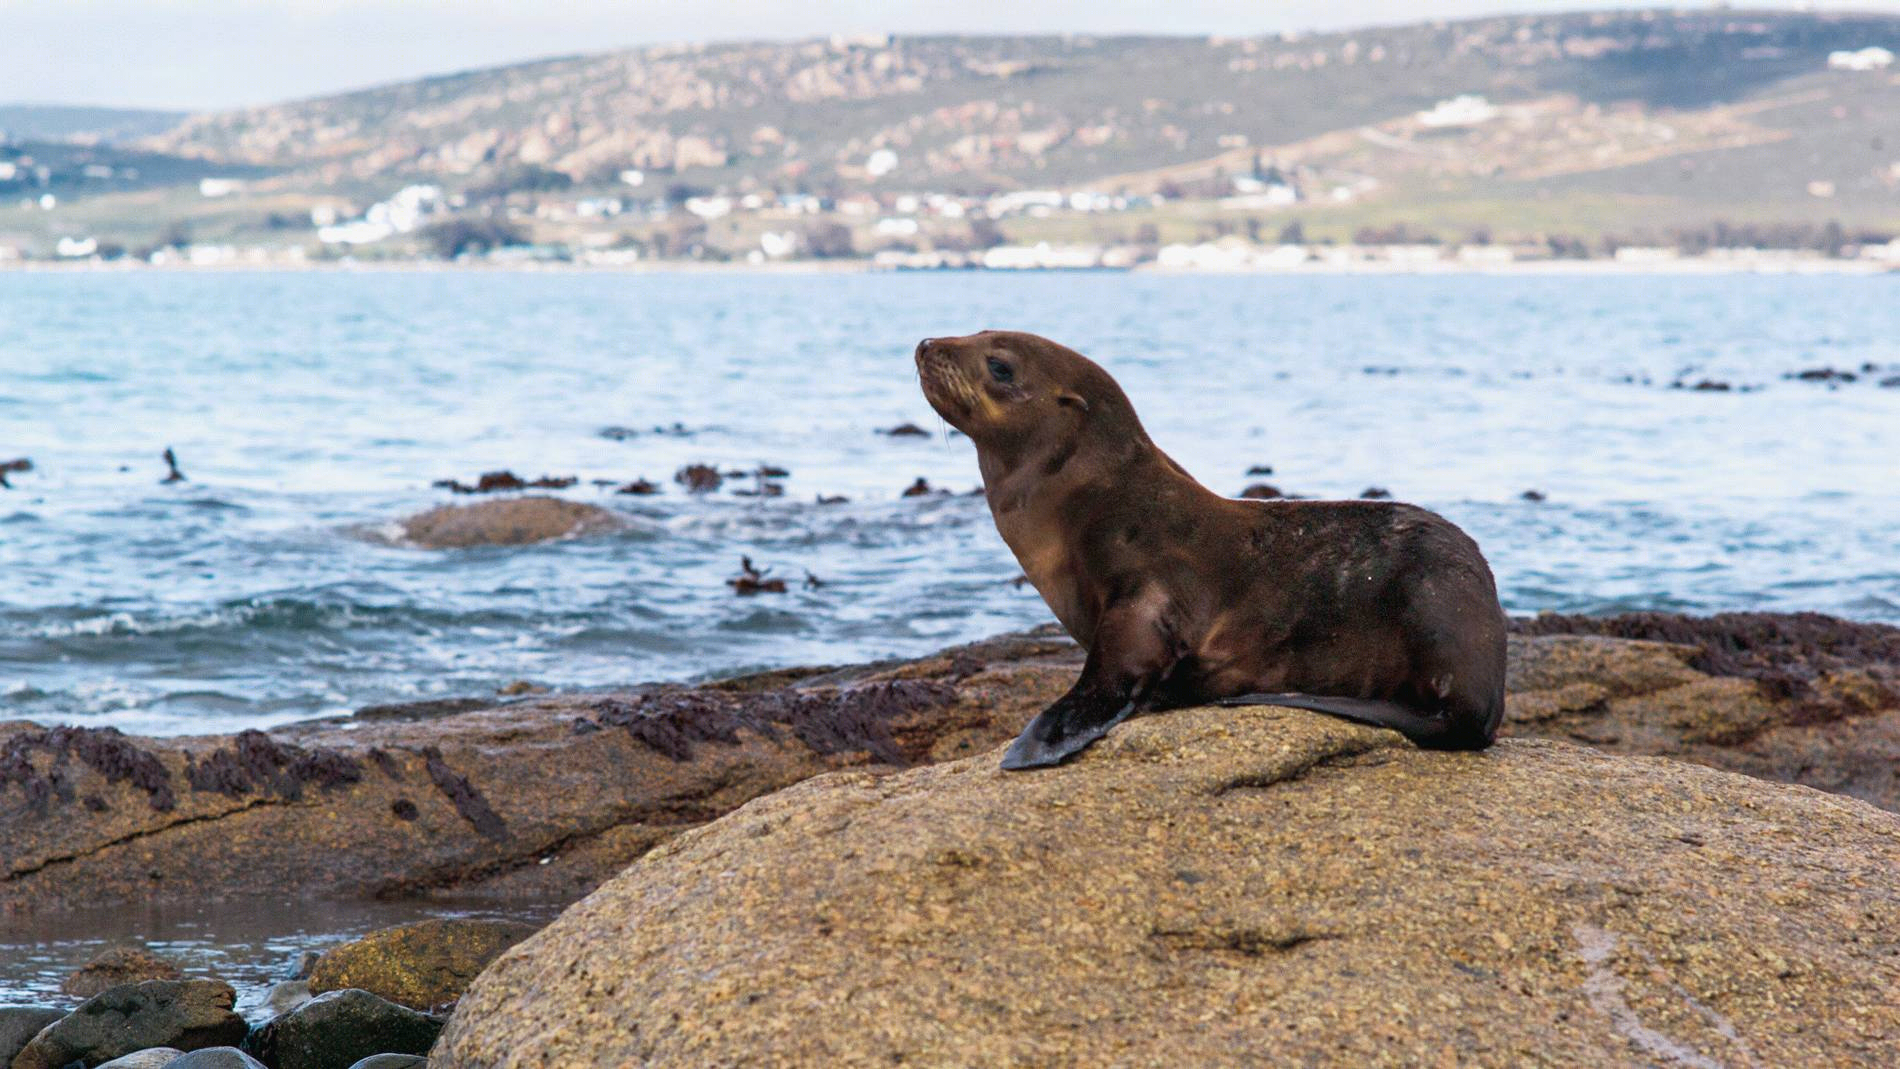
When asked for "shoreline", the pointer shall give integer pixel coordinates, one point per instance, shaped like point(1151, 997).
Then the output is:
point(1687, 266)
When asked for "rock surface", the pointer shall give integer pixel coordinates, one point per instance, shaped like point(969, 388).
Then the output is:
point(549, 797)
point(422, 965)
point(1232, 887)
point(185, 1014)
point(114, 967)
point(338, 1029)
point(392, 1061)
point(21, 1023)
point(150, 1058)
point(217, 1058)
point(512, 521)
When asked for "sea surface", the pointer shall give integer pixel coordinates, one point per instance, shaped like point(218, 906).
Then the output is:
point(310, 410)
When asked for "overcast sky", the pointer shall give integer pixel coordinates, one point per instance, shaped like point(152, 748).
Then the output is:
point(202, 54)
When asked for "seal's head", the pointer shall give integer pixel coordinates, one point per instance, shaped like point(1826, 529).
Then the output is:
point(1009, 391)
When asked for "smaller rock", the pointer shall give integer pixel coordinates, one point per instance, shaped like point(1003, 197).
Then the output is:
point(186, 1014)
point(1532, 495)
point(1261, 492)
point(1375, 493)
point(217, 1058)
point(149, 1058)
point(920, 488)
point(520, 687)
point(508, 522)
point(392, 1061)
point(286, 996)
point(116, 966)
point(905, 430)
point(421, 965)
point(18, 1024)
point(639, 486)
point(338, 1029)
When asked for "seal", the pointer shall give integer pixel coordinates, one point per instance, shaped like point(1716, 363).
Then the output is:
point(1375, 611)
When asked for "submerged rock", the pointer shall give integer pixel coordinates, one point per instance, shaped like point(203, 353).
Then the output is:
point(185, 1014)
point(339, 1029)
point(114, 967)
point(421, 965)
point(1217, 887)
point(510, 522)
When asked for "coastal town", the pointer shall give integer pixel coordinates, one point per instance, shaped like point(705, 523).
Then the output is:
point(1505, 143)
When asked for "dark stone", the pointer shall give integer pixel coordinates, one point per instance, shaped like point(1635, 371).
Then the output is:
point(339, 1029)
point(392, 1061)
point(217, 1058)
point(21, 1023)
point(186, 1014)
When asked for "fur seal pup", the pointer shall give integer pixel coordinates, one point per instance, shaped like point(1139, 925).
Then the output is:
point(1374, 611)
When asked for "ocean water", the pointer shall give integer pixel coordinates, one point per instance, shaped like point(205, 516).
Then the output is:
point(308, 408)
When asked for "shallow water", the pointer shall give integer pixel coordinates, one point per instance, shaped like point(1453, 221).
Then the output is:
point(304, 406)
point(249, 945)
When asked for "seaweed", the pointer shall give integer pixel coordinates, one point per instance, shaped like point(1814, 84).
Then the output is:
point(256, 762)
point(104, 750)
point(826, 721)
point(462, 794)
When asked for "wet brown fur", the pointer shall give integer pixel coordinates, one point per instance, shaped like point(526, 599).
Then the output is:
point(1185, 597)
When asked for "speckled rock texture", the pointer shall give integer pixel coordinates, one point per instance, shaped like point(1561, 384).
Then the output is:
point(549, 797)
point(21, 1023)
point(510, 521)
point(1254, 887)
point(182, 1014)
point(423, 965)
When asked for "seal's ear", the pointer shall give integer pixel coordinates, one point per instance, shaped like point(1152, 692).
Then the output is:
point(1073, 400)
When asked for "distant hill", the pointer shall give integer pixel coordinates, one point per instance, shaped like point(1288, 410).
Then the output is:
point(60, 122)
point(1741, 103)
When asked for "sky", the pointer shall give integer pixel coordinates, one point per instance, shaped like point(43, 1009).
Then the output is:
point(213, 54)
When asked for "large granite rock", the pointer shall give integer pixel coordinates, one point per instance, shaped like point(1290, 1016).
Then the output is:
point(339, 1029)
point(422, 965)
point(511, 521)
point(1232, 887)
point(182, 1014)
point(551, 796)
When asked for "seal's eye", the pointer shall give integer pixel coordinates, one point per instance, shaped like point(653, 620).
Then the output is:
point(1001, 372)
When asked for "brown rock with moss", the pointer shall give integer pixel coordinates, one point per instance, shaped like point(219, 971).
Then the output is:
point(423, 965)
point(509, 522)
point(116, 966)
point(1225, 888)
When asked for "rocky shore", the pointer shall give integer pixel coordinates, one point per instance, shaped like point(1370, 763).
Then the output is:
point(1313, 885)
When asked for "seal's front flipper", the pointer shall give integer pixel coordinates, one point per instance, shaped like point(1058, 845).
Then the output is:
point(1062, 731)
point(1130, 652)
point(1422, 728)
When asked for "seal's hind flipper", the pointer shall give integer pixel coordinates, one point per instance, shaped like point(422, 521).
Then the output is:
point(1422, 728)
